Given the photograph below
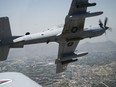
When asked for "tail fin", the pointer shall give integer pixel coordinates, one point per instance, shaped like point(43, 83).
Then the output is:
point(5, 34)
point(4, 53)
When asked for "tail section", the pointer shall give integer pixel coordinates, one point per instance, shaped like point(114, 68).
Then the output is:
point(5, 35)
point(5, 31)
point(4, 50)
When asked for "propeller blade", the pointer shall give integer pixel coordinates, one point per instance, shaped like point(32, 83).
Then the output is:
point(104, 26)
point(105, 22)
point(100, 23)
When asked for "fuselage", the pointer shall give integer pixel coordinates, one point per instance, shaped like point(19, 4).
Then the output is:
point(46, 36)
point(55, 34)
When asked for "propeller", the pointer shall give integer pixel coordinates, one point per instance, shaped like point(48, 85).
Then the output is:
point(104, 26)
point(105, 22)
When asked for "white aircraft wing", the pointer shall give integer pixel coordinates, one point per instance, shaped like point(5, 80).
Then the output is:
point(67, 46)
point(14, 79)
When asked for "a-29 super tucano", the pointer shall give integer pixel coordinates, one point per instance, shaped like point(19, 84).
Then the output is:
point(67, 36)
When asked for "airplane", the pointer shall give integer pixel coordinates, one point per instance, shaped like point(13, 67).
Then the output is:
point(67, 36)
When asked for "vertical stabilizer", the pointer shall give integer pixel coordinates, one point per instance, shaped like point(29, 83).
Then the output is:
point(4, 50)
point(5, 35)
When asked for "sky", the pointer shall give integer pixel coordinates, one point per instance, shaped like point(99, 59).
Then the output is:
point(38, 15)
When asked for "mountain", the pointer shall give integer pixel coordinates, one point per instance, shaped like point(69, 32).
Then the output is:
point(98, 46)
point(96, 69)
point(100, 53)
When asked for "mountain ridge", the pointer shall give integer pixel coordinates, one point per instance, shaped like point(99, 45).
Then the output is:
point(98, 46)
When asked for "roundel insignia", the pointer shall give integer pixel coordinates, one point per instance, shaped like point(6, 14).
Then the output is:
point(5, 81)
point(70, 44)
point(74, 29)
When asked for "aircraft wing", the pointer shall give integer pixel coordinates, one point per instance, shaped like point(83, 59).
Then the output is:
point(69, 22)
point(67, 46)
point(15, 79)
